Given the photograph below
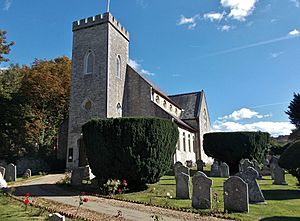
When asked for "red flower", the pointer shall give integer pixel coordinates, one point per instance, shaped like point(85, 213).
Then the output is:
point(26, 194)
point(119, 190)
point(26, 201)
point(85, 200)
point(124, 182)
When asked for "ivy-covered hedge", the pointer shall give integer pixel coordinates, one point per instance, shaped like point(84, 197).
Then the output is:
point(290, 159)
point(139, 150)
point(231, 147)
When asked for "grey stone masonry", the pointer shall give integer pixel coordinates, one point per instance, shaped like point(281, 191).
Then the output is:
point(11, 173)
point(215, 169)
point(201, 198)
point(183, 169)
point(249, 176)
point(244, 164)
point(182, 186)
point(236, 195)
point(224, 170)
point(279, 176)
point(2, 171)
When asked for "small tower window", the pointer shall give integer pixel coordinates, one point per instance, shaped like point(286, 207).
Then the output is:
point(89, 63)
point(119, 66)
point(119, 109)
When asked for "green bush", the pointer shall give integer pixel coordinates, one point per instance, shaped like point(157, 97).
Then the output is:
point(290, 159)
point(231, 147)
point(139, 150)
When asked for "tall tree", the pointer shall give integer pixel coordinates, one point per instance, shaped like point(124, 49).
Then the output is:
point(4, 46)
point(294, 111)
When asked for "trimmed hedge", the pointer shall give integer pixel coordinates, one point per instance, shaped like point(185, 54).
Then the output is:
point(139, 150)
point(231, 147)
point(290, 159)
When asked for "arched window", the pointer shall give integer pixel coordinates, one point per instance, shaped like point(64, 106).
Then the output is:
point(119, 66)
point(89, 63)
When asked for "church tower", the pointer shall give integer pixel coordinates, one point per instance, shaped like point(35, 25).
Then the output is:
point(99, 62)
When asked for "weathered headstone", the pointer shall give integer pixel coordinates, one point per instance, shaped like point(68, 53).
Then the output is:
point(3, 183)
point(27, 174)
point(201, 198)
point(11, 173)
point(183, 169)
point(2, 171)
point(224, 170)
point(265, 171)
point(257, 168)
point(279, 176)
point(189, 163)
point(175, 167)
point(249, 176)
point(236, 195)
point(56, 217)
point(244, 164)
point(215, 169)
point(182, 186)
point(200, 165)
point(273, 165)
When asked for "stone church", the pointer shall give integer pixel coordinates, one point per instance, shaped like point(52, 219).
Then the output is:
point(104, 85)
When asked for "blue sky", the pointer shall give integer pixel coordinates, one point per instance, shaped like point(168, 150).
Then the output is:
point(244, 54)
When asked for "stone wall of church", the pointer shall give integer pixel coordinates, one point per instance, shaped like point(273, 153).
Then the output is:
point(185, 149)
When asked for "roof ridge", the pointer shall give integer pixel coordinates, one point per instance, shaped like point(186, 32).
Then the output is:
point(186, 93)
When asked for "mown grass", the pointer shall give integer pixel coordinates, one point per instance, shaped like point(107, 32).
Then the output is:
point(283, 202)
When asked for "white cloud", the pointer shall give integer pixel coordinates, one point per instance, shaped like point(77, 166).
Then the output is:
point(214, 16)
point(7, 4)
point(239, 9)
point(274, 128)
point(137, 66)
point(243, 113)
point(276, 54)
point(191, 22)
point(296, 3)
point(294, 33)
point(225, 28)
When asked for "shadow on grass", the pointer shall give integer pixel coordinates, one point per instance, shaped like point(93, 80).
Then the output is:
point(281, 218)
point(281, 194)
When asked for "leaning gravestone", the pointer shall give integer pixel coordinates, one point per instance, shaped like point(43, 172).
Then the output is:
point(2, 171)
point(224, 170)
point(11, 173)
point(244, 164)
point(200, 165)
point(279, 176)
point(175, 167)
point(273, 165)
point(201, 198)
point(215, 169)
point(27, 174)
point(183, 169)
point(182, 186)
point(56, 217)
point(236, 195)
point(255, 193)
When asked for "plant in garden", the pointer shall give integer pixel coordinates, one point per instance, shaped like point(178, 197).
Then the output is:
point(26, 200)
point(113, 187)
point(216, 203)
point(82, 199)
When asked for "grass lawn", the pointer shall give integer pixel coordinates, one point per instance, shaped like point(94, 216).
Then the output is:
point(283, 202)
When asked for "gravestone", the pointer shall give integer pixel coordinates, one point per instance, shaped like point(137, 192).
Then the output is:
point(201, 198)
point(273, 165)
point(81, 173)
point(279, 176)
point(3, 183)
point(2, 171)
point(11, 173)
point(244, 164)
point(255, 193)
point(189, 163)
point(182, 186)
point(56, 217)
point(215, 169)
point(236, 195)
point(183, 169)
point(224, 170)
point(27, 174)
point(257, 168)
point(265, 171)
point(200, 165)
point(175, 167)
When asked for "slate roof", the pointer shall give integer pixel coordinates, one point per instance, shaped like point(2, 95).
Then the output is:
point(190, 102)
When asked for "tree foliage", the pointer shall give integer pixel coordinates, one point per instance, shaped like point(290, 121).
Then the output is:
point(294, 111)
point(4, 46)
point(231, 147)
point(290, 159)
point(139, 150)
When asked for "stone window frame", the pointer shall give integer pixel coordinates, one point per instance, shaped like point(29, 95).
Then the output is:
point(157, 99)
point(119, 67)
point(165, 104)
point(86, 61)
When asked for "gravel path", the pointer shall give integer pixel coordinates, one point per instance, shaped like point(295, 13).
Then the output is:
point(46, 189)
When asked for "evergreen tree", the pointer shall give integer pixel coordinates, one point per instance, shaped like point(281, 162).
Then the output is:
point(294, 111)
point(4, 46)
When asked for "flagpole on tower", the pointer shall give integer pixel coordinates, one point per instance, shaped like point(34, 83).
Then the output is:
point(108, 5)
